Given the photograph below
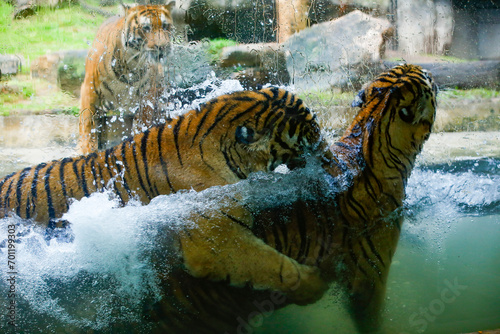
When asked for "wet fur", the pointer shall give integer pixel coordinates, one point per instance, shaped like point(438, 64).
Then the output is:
point(238, 258)
point(222, 142)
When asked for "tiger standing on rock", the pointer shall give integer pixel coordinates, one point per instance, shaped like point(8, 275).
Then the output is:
point(347, 224)
point(124, 71)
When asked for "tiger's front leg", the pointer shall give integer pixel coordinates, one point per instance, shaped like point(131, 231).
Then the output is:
point(224, 248)
point(87, 142)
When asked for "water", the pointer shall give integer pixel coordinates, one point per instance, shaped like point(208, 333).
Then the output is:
point(444, 278)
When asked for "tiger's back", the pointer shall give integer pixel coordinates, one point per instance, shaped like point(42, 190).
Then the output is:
point(222, 142)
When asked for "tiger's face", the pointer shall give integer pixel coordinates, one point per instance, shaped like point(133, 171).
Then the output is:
point(403, 104)
point(148, 31)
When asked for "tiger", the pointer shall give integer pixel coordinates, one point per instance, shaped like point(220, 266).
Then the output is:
point(348, 228)
point(220, 142)
point(124, 71)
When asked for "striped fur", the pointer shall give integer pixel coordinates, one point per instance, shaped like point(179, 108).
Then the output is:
point(350, 233)
point(124, 70)
point(224, 141)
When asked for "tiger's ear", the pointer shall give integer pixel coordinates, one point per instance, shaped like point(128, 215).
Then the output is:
point(359, 99)
point(169, 5)
point(126, 7)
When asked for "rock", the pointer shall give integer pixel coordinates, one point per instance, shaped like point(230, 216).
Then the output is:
point(262, 63)
point(71, 71)
point(337, 53)
point(10, 64)
point(45, 67)
point(66, 68)
point(24, 11)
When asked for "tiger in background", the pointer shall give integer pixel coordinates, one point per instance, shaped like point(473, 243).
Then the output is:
point(237, 261)
point(124, 71)
point(222, 142)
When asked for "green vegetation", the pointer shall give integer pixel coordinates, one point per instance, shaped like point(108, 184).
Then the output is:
point(330, 97)
point(50, 30)
point(469, 94)
point(216, 45)
point(22, 94)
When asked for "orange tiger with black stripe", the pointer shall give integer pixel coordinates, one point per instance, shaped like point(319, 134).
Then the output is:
point(222, 142)
point(124, 71)
point(348, 228)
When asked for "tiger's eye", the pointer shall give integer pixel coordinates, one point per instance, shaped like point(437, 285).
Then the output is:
point(165, 26)
point(146, 28)
point(406, 115)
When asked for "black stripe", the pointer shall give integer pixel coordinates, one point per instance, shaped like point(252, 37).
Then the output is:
point(374, 249)
point(237, 221)
point(206, 112)
point(125, 166)
point(112, 173)
point(77, 177)
point(19, 185)
point(250, 110)
point(144, 153)
point(230, 163)
point(34, 191)
point(91, 159)
point(50, 204)
point(369, 260)
point(2, 183)
point(176, 137)
point(354, 259)
point(226, 109)
point(139, 177)
point(163, 163)
point(62, 180)
point(8, 197)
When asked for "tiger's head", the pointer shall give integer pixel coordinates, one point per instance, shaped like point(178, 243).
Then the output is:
point(148, 32)
point(273, 127)
point(398, 109)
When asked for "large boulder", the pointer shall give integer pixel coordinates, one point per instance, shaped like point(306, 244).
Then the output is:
point(337, 53)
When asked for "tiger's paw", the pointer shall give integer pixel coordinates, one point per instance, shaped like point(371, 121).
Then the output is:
point(309, 288)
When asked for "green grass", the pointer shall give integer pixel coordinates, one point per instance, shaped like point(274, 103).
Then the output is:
point(22, 94)
point(328, 97)
point(216, 45)
point(469, 94)
point(50, 30)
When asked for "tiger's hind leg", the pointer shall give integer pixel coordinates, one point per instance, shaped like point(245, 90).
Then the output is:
point(368, 278)
point(223, 248)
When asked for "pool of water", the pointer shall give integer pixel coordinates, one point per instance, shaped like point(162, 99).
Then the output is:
point(444, 278)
